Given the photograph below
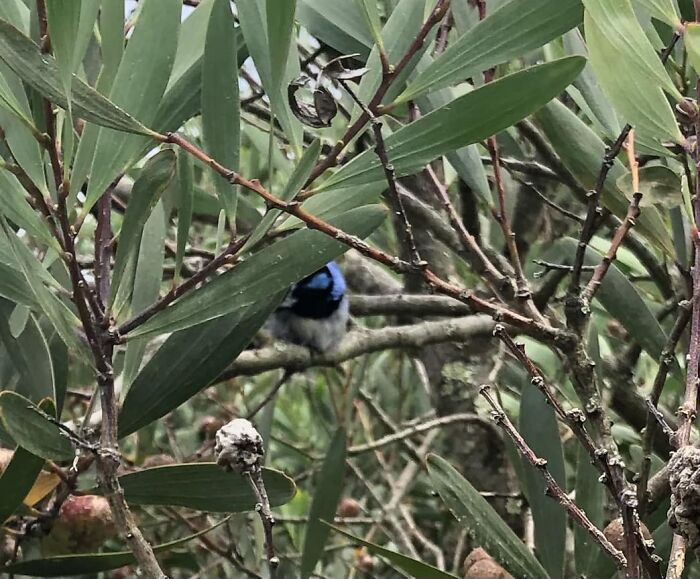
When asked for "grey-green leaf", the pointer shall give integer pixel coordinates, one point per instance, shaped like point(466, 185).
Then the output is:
point(506, 33)
point(31, 430)
point(328, 489)
point(483, 523)
point(466, 120)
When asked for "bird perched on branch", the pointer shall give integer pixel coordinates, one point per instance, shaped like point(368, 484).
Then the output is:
point(315, 312)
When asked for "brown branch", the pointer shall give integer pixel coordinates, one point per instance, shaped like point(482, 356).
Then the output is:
point(553, 491)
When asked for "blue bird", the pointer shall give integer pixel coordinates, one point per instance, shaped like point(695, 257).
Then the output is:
point(315, 312)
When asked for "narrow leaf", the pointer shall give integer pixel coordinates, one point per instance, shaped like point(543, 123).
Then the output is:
point(17, 480)
point(14, 204)
point(221, 125)
point(413, 567)
point(506, 33)
point(338, 23)
point(271, 270)
point(137, 88)
point(185, 189)
point(187, 363)
point(203, 486)
point(145, 193)
point(468, 119)
point(665, 10)
point(25, 423)
point(482, 522)
point(590, 496)
point(325, 502)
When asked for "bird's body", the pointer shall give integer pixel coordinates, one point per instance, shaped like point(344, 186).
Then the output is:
point(315, 312)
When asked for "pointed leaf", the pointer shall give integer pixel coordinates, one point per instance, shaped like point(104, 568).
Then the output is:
point(41, 72)
point(510, 31)
point(538, 426)
point(30, 430)
point(629, 71)
point(581, 151)
point(691, 38)
point(203, 486)
point(29, 353)
point(483, 523)
point(91, 563)
point(665, 10)
point(466, 120)
point(137, 88)
point(413, 567)
point(280, 27)
point(154, 179)
point(338, 23)
point(185, 190)
point(14, 204)
point(17, 480)
point(221, 125)
point(329, 486)
point(187, 363)
point(269, 271)
point(590, 496)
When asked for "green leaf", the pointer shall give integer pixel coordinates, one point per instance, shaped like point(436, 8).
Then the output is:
point(482, 522)
point(338, 23)
point(62, 318)
point(147, 280)
point(41, 72)
point(187, 363)
point(581, 151)
point(280, 28)
point(17, 480)
point(510, 31)
point(15, 288)
point(294, 184)
point(538, 426)
point(325, 502)
point(91, 563)
point(137, 88)
point(629, 70)
point(590, 497)
point(692, 44)
point(153, 180)
point(29, 353)
point(203, 486)
point(30, 430)
point(270, 271)
point(413, 567)
point(466, 120)
point(590, 90)
point(370, 13)
point(14, 204)
point(221, 124)
point(665, 10)
point(185, 196)
point(658, 184)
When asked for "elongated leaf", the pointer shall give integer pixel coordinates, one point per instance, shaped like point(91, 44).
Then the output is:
point(280, 27)
point(221, 124)
point(581, 151)
point(91, 563)
point(30, 356)
point(62, 318)
point(466, 120)
point(325, 502)
point(482, 522)
point(539, 428)
point(271, 270)
point(665, 10)
point(590, 496)
point(41, 72)
point(294, 184)
point(16, 13)
point(590, 89)
point(147, 279)
point(146, 192)
point(14, 204)
point(692, 44)
point(187, 363)
point(510, 31)
point(185, 188)
point(413, 567)
point(15, 288)
point(629, 71)
point(203, 486)
point(17, 480)
point(138, 87)
point(338, 23)
point(30, 430)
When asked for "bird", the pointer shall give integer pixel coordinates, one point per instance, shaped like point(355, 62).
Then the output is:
point(315, 311)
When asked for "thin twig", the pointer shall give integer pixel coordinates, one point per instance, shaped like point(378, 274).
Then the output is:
point(262, 507)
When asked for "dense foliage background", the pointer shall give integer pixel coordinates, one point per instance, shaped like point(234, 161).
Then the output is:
point(509, 187)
